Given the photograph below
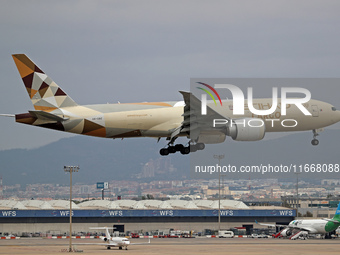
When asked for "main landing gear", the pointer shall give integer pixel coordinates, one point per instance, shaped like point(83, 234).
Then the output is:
point(315, 141)
point(181, 148)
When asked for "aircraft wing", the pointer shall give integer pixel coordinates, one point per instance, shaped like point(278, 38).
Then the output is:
point(102, 244)
point(194, 122)
point(270, 225)
point(331, 220)
point(141, 243)
point(309, 230)
point(111, 243)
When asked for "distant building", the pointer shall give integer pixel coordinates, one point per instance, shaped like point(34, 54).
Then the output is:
point(148, 170)
point(211, 192)
point(330, 182)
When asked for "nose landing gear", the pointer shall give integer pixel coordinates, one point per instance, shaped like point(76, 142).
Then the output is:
point(315, 141)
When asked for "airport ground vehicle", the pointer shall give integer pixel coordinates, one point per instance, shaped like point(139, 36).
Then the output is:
point(225, 234)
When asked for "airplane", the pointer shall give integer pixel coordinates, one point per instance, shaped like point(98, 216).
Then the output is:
point(54, 109)
point(110, 241)
point(298, 228)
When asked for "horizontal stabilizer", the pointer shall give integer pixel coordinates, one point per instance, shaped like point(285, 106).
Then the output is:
point(41, 115)
point(7, 115)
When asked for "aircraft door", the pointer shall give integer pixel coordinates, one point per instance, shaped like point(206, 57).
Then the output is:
point(315, 111)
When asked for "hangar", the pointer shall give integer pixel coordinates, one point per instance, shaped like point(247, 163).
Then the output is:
point(52, 217)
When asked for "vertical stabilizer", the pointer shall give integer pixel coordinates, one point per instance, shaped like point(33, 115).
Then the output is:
point(337, 213)
point(107, 233)
point(44, 93)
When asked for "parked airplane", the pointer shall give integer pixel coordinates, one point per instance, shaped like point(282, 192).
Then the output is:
point(297, 228)
point(54, 109)
point(110, 241)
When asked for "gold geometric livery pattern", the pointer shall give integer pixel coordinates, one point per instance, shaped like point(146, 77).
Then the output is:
point(45, 94)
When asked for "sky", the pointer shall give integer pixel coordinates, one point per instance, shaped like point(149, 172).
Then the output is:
point(137, 51)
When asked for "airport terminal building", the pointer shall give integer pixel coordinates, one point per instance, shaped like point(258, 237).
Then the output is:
point(52, 217)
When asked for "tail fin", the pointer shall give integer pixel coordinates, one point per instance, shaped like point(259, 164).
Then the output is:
point(44, 93)
point(107, 233)
point(337, 213)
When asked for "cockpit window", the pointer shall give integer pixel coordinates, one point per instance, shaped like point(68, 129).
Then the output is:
point(333, 108)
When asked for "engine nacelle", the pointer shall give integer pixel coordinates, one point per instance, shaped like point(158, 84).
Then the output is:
point(247, 129)
point(286, 232)
point(211, 138)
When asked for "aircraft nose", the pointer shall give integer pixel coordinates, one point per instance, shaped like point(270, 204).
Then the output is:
point(336, 116)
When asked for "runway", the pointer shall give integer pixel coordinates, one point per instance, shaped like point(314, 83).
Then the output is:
point(177, 246)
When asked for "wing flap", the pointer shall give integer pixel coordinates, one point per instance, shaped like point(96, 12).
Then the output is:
point(194, 122)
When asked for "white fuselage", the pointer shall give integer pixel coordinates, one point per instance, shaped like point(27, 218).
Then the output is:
point(120, 119)
point(312, 226)
point(117, 242)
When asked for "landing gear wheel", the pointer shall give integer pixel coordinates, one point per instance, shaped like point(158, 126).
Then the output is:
point(193, 148)
point(200, 146)
point(164, 152)
point(172, 149)
point(179, 147)
point(108, 247)
point(120, 248)
point(315, 134)
point(315, 142)
point(185, 150)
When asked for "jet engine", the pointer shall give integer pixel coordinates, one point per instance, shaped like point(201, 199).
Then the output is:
point(286, 232)
point(247, 129)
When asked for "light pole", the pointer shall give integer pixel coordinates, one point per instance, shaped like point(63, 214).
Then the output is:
point(219, 157)
point(223, 186)
point(297, 194)
point(71, 169)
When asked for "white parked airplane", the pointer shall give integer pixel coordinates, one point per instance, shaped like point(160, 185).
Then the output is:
point(109, 241)
point(297, 228)
point(55, 109)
